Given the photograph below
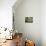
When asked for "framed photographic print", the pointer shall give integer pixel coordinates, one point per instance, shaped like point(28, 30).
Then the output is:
point(28, 19)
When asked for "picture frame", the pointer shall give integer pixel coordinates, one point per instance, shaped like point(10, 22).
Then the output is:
point(28, 19)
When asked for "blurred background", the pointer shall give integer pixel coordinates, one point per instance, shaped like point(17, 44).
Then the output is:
point(21, 9)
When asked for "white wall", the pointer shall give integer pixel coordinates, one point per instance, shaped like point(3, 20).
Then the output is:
point(30, 8)
point(43, 22)
point(6, 13)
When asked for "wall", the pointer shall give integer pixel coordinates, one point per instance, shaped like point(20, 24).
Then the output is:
point(28, 8)
point(43, 22)
point(6, 13)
